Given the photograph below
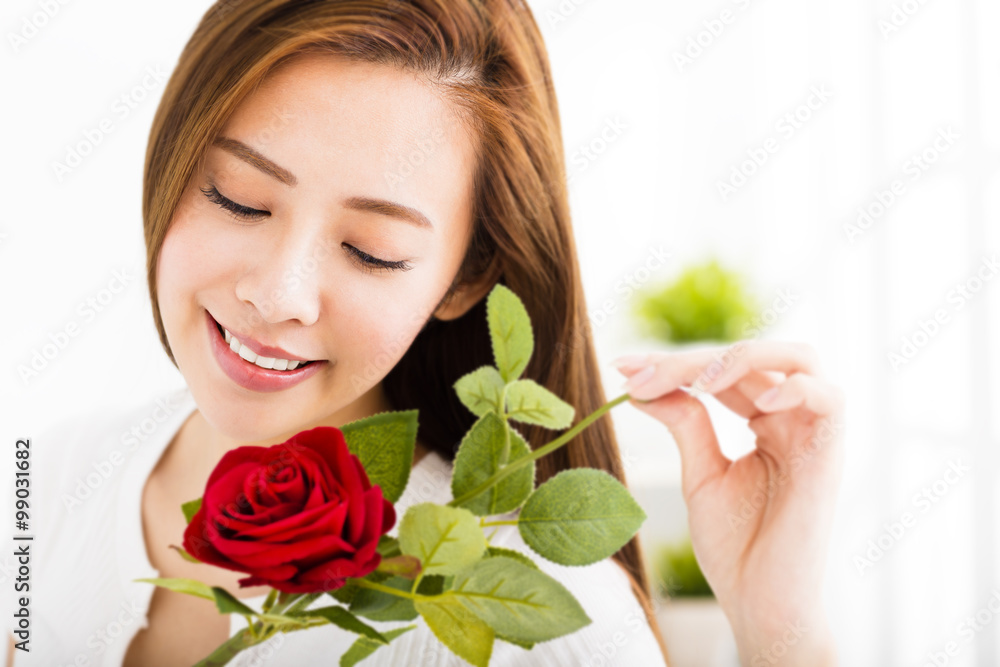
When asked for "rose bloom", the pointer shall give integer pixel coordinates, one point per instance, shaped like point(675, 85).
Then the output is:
point(300, 516)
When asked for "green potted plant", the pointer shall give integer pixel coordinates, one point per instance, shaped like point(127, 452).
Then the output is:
point(705, 303)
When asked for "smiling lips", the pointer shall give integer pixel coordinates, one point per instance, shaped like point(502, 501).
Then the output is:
point(264, 369)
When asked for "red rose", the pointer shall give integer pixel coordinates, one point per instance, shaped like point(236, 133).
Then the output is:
point(300, 516)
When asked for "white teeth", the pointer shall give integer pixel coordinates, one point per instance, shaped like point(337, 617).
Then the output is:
point(264, 362)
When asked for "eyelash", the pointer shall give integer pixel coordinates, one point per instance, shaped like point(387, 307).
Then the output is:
point(365, 261)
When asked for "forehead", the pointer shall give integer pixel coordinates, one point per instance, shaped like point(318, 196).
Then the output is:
point(336, 122)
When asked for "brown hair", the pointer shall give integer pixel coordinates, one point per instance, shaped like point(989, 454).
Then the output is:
point(489, 59)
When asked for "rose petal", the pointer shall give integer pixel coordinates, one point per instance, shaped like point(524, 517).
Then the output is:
point(255, 555)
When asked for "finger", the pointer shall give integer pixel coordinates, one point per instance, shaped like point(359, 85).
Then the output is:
point(715, 369)
point(802, 390)
point(786, 357)
point(740, 397)
point(688, 421)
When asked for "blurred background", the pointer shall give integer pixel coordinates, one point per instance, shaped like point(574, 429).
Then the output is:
point(817, 171)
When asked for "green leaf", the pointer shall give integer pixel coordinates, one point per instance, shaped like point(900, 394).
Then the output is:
point(480, 456)
point(492, 552)
point(229, 604)
point(518, 642)
point(510, 332)
point(458, 628)
point(579, 516)
point(344, 619)
point(445, 539)
point(379, 606)
point(384, 443)
point(518, 602)
point(481, 390)
point(364, 647)
point(184, 554)
point(190, 508)
point(531, 403)
point(188, 586)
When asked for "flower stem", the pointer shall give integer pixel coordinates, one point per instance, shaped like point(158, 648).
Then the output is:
point(538, 453)
point(228, 650)
point(364, 583)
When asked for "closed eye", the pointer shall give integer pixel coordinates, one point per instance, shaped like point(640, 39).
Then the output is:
point(366, 262)
point(237, 210)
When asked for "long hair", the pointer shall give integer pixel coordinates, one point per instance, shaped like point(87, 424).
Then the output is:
point(488, 58)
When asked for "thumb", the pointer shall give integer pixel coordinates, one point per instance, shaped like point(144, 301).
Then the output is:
point(687, 419)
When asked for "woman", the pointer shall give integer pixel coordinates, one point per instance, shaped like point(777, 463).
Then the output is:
point(331, 189)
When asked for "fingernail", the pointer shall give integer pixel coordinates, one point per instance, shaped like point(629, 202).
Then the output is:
point(629, 360)
point(639, 379)
point(766, 398)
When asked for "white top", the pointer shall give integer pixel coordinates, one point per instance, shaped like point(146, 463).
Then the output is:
point(86, 490)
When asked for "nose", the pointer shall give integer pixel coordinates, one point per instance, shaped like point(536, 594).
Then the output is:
point(282, 282)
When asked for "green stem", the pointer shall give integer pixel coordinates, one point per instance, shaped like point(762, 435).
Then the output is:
point(486, 524)
point(538, 453)
point(269, 602)
point(301, 603)
point(364, 583)
point(228, 650)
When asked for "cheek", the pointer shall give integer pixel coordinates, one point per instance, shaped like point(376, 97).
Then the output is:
point(188, 264)
point(383, 332)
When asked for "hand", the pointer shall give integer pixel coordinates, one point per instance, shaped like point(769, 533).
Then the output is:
point(759, 525)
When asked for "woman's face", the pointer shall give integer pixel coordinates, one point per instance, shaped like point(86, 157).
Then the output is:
point(330, 165)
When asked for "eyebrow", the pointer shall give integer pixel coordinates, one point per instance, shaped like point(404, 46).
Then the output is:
point(371, 204)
